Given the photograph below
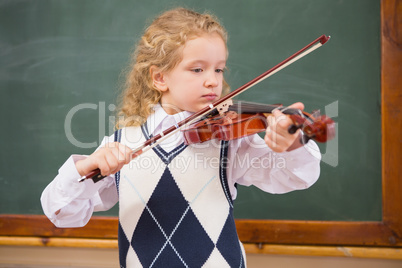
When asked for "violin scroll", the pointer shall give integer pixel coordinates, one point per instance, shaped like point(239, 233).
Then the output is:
point(320, 129)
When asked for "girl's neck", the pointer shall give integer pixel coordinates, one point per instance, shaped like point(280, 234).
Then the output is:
point(170, 109)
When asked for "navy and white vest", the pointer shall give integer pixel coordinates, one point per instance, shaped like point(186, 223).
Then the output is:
point(175, 207)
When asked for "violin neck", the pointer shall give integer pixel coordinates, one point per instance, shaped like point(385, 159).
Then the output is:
point(251, 107)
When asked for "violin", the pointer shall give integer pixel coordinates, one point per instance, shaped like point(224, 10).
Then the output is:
point(320, 128)
point(244, 118)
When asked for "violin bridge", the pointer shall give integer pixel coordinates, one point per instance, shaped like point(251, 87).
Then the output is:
point(223, 107)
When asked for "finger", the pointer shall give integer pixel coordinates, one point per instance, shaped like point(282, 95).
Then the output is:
point(123, 160)
point(275, 136)
point(269, 141)
point(278, 111)
point(113, 162)
point(127, 152)
point(281, 118)
point(119, 167)
point(118, 154)
point(271, 129)
point(297, 105)
point(122, 154)
point(277, 126)
point(120, 151)
point(271, 135)
point(280, 123)
point(278, 143)
point(271, 120)
point(275, 144)
point(120, 160)
point(103, 165)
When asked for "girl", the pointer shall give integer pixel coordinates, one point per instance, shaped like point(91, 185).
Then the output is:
point(176, 201)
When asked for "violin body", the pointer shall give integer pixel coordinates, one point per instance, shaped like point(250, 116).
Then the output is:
point(235, 124)
point(229, 127)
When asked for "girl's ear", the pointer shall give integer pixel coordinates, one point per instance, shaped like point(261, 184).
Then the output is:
point(157, 79)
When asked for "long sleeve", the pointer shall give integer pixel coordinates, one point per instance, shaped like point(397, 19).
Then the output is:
point(251, 162)
point(69, 203)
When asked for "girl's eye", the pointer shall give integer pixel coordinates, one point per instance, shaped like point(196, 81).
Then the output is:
point(197, 70)
point(219, 70)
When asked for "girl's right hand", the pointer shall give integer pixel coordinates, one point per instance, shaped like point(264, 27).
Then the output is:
point(109, 159)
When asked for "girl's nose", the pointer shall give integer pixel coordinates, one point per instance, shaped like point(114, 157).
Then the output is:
point(211, 80)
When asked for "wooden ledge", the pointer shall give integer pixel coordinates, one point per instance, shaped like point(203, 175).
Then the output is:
point(299, 250)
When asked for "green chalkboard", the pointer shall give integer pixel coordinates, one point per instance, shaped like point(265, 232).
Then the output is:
point(61, 65)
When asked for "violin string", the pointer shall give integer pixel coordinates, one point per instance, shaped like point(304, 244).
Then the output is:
point(288, 108)
point(251, 107)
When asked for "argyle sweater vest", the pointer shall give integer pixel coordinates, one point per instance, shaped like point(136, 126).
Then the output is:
point(175, 209)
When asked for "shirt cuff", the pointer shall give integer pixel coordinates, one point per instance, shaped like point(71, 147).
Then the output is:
point(68, 181)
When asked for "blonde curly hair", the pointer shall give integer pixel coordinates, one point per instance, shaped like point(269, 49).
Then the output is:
point(160, 46)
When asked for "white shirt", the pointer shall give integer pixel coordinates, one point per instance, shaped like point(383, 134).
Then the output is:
point(251, 162)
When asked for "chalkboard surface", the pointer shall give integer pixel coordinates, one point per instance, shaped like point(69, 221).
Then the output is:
point(60, 71)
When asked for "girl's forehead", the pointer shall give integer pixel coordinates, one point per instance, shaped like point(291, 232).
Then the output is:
point(205, 46)
point(206, 37)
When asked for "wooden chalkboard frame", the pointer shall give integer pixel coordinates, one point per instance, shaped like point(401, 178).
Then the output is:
point(385, 233)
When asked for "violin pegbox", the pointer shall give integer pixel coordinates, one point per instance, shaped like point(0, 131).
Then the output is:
point(223, 107)
point(322, 129)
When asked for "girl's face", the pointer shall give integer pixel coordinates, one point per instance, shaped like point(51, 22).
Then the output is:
point(197, 80)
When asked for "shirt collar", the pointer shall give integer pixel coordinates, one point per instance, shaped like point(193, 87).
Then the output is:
point(160, 120)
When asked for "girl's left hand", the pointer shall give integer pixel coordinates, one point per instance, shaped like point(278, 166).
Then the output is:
point(277, 136)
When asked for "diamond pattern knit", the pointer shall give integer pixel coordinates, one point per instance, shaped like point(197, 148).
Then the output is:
point(170, 217)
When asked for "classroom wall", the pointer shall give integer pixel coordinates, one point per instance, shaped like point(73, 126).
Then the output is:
point(35, 257)
point(61, 62)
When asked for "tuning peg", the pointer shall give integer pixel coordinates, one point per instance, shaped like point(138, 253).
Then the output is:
point(293, 128)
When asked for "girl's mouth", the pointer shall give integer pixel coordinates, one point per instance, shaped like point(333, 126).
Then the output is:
point(210, 96)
